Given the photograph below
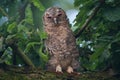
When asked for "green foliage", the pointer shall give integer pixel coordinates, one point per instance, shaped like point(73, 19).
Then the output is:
point(102, 32)
point(21, 24)
point(19, 29)
point(6, 57)
point(114, 58)
point(112, 14)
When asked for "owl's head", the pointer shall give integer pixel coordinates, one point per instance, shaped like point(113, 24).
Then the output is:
point(54, 16)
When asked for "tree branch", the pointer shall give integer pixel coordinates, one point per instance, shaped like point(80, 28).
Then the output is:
point(18, 51)
point(3, 12)
point(94, 12)
point(8, 72)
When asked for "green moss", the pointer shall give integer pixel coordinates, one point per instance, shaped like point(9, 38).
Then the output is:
point(12, 76)
point(43, 75)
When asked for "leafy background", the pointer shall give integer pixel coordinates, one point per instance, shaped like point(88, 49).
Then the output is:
point(99, 43)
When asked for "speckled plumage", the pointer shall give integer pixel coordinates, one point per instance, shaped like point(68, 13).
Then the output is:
point(61, 43)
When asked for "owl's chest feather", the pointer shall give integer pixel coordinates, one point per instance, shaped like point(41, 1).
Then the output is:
point(58, 33)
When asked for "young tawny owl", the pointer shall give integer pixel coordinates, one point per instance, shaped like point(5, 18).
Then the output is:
point(61, 43)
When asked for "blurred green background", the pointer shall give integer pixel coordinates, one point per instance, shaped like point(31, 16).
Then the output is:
point(99, 43)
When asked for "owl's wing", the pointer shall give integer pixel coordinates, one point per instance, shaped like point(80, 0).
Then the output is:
point(71, 43)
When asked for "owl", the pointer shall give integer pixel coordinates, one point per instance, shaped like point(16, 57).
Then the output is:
point(60, 42)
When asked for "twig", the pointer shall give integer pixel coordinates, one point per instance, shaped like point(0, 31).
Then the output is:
point(4, 13)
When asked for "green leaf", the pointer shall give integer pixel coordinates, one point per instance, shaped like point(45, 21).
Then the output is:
point(109, 1)
point(30, 45)
point(42, 34)
point(80, 3)
point(100, 49)
point(38, 4)
point(112, 13)
point(42, 55)
point(11, 27)
point(6, 57)
point(22, 28)
point(94, 65)
point(98, 56)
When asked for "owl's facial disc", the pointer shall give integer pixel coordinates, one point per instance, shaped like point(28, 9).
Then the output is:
point(55, 16)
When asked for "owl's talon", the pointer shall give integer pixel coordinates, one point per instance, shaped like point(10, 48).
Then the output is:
point(59, 69)
point(70, 69)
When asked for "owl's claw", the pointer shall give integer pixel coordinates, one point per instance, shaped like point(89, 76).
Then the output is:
point(59, 69)
point(70, 69)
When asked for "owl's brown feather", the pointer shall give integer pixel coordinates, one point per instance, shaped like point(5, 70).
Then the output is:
point(61, 42)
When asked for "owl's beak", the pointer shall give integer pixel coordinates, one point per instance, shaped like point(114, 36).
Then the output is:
point(55, 20)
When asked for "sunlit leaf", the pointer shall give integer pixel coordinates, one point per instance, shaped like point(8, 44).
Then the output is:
point(38, 4)
point(30, 45)
point(43, 55)
point(11, 27)
point(42, 34)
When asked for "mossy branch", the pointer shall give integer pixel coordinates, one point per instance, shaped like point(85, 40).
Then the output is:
point(8, 72)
